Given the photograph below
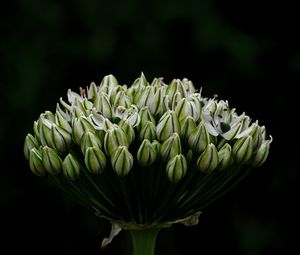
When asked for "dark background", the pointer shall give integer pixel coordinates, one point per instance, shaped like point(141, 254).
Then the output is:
point(246, 52)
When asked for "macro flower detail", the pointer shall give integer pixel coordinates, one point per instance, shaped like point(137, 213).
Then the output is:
point(145, 156)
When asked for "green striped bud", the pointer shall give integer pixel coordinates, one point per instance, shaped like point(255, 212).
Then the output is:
point(170, 147)
point(103, 105)
point(89, 139)
point(80, 125)
point(121, 99)
point(148, 131)
point(188, 86)
point(261, 154)
point(62, 122)
point(225, 157)
point(71, 167)
point(188, 126)
point(45, 134)
point(51, 161)
point(175, 86)
point(30, 143)
point(128, 130)
point(61, 138)
point(199, 139)
point(35, 162)
point(208, 160)
point(114, 138)
point(242, 149)
point(92, 91)
point(146, 154)
point(95, 160)
point(157, 146)
point(186, 108)
point(176, 168)
point(168, 124)
point(154, 103)
point(108, 83)
point(145, 116)
point(122, 161)
point(36, 130)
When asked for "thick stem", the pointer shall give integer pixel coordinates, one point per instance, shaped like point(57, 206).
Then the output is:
point(143, 241)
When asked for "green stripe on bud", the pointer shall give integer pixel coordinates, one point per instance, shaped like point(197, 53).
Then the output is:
point(261, 154)
point(122, 161)
point(145, 116)
point(95, 160)
point(114, 138)
point(128, 130)
point(170, 147)
point(62, 122)
point(157, 147)
point(30, 143)
point(168, 124)
point(199, 139)
point(242, 149)
point(148, 131)
point(71, 167)
point(208, 160)
point(35, 162)
point(225, 157)
point(89, 139)
point(61, 138)
point(176, 168)
point(80, 125)
point(103, 105)
point(92, 91)
point(146, 154)
point(188, 126)
point(51, 161)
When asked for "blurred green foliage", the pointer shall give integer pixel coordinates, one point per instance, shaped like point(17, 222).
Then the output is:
point(245, 51)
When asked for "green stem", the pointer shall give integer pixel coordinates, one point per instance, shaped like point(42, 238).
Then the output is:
point(143, 241)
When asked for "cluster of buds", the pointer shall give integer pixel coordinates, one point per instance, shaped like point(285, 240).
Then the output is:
point(158, 131)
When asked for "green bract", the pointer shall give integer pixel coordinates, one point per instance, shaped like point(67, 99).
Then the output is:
point(146, 155)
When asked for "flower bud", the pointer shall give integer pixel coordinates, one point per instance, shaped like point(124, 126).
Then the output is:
point(168, 124)
point(146, 154)
point(121, 99)
point(148, 131)
point(30, 143)
point(95, 160)
point(92, 91)
point(51, 161)
point(199, 139)
point(61, 138)
point(45, 134)
point(175, 86)
point(103, 105)
point(208, 160)
point(35, 162)
point(154, 103)
point(36, 130)
point(62, 122)
point(186, 108)
point(176, 168)
point(71, 167)
point(261, 154)
point(89, 139)
point(114, 138)
point(242, 149)
point(188, 126)
point(225, 158)
point(108, 83)
point(122, 161)
point(157, 146)
point(80, 125)
point(145, 116)
point(170, 147)
point(128, 130)
point(188, 86)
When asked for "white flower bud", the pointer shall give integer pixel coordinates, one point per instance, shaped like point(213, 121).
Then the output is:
point(95, 160)
point(128, 130)
point(103, 105)
point(242, 149)
point(146, 154)
point(61, 121)
point(71, 167)
point(51, 161)
point(148, 131)
point(225, 157)
point(261, 154)
point(168, 124)
point(122, 161)
point(170, 147)
point(89, 139)
point(92, 91)
point(199, 139)
point(80, 125)
point(114, 138)
point(176, 168)
point(30, 143)
point(208, 160)
point(35, 162)
point(61, 138)
point(188, 127)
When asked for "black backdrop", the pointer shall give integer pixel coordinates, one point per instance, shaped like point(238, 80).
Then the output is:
point(246, 52)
